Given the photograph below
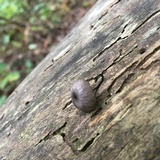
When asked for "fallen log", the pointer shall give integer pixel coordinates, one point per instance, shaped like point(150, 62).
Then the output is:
point(116, 48)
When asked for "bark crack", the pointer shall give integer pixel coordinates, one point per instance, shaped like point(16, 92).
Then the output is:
point(125, 81)
point(89, 143)
point(146, 20)
point(124, 28)
point(66, 105)
point(152, 63)
point(115, 3)
point(134, 65)
point(96, 112)
point(50, 134)
point(99, 80)
point(147, 57)
point(48, 67)
point(103, 15)
point(110, 45)
point(69, 144)
point(121, 74)
point(121, 57)
point(105, 48)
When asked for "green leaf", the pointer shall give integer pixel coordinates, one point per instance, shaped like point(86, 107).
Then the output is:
point(28, 64)
point(17, 44)
point(6, 39)
point(2, 48)
point(11, 8)
point(2, 100)
point(38, 7)
point(32, 46)
point(37, 28)
point(3, 67)
point(11, 77)
point(56, 19)
point(85, 4)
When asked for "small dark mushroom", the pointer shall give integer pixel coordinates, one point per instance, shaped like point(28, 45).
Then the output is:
point(83, 96)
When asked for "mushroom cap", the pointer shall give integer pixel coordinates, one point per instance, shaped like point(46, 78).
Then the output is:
point(83, 96)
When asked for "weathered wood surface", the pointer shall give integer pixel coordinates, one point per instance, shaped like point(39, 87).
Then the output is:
point(117, 48)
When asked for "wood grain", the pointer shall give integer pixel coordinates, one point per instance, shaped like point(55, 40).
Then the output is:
point(116, 47)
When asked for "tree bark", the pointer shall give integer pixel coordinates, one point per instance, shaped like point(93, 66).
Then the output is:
point(116, 47)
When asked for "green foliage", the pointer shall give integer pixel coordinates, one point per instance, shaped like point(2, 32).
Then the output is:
point(15, 16)
point(8, 9)
point(29, 65)
point(85, 4)
point(6, 39)
point(16, 44)
point(3, 68)
point(32, 46)
point(7, 80)
point(46, 11)
point(20, 21)
point(39, 15)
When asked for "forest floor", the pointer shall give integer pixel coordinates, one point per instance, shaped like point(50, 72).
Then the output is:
point(17, 62)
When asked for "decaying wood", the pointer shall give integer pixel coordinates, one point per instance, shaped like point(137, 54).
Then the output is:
point(116, 47)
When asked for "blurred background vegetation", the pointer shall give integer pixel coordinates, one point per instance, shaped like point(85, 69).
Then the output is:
point(28, 29)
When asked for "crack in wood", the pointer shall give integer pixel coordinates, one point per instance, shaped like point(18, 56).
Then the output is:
point(114, 18)
point(136, 65)
point(66, 105)
point(121, 57)
point(124, 28)
point(75, 140)
point(151, 64)
point(2, 116)
point(116, 60)
point(107, 47)
point(69, 144)
point(48, 67)
point(147, 57)
point(89, 143)
point(57, 57)
point(99, 80)
point(3, 158)
point(103, 15)
point(84, 148)
point(115, 3)
point(96, 112)
point(44, 139)
point(50, 134)
point(125, 81)
point(109, 66)
point(129, 68)
point(123, 113)
point(146, 20)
